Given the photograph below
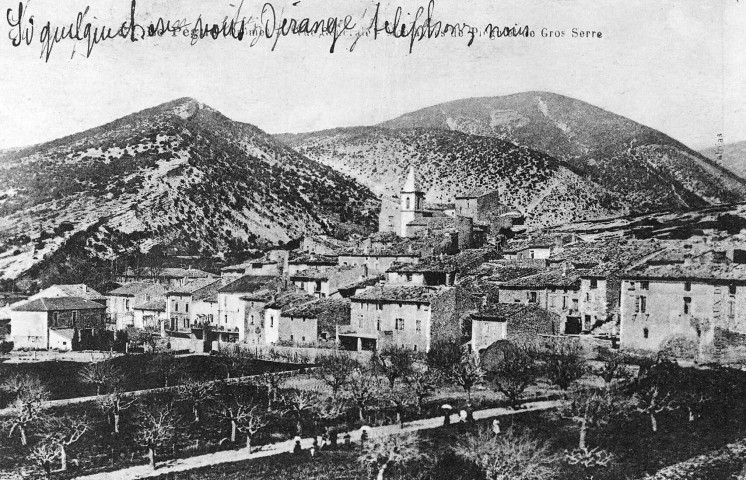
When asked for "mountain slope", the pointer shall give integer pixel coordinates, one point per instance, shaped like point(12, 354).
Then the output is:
point(450, 162)
point(180, 174)
point(733, 157)
point(614, 151)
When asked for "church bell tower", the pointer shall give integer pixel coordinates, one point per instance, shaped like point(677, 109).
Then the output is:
point(412, 200)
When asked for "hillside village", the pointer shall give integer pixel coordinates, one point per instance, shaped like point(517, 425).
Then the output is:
point(467, 271)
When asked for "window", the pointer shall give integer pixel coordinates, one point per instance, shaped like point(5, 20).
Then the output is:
point(645, 285)
point(407, 202)
point(251, 319)
point(378, 325)
point(687, 305)
point(226, 318)
point(176, 306)
point(587, 296)
point(551, 301)
point(186, 323)
point(186, 307)
point(564, 302)
point(574, 303)
point(594, 283)
point(291, 337)
point(731, 308)
point(418, 325)
point(532, 297)
point(643, 304)
point(645, 332)
point(127, 304)
point(303, 339)
point(379, 306)
point(271, 320)
point(687, 286)
point(409, 277)
point(731, 289)
point(631, 285)
point(360, 321)
point(55, 318)
point(75, 317)
point(210, 318)
point(400, 324)
point(415, 347)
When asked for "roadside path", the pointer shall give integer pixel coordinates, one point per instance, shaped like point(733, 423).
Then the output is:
point(190, 463)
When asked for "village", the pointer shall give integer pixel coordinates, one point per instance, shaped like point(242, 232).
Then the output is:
point(431, 273)
point(449, 312)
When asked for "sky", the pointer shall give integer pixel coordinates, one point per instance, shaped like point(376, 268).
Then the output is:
point(677, 66)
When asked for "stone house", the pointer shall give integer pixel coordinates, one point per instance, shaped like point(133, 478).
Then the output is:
point(314, 322)
point(308, 260)
point(326, 282)
point(230, 322)
point(51, 323)
point(323, 245)
point(169, 276)
point(510, 321)
point(274, 310)
point(436, 270)
point(481, 205)
point(192, 306)
point(150, 315)
point(557, 291)
point(414, 317)
point(672, 301)
point(122, 301)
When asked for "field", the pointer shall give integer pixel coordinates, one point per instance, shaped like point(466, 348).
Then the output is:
point(63, 379)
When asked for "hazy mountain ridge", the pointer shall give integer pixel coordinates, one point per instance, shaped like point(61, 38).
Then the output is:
point(635, 168)
point(733, 157)
point(449, 163)
point(180, 173)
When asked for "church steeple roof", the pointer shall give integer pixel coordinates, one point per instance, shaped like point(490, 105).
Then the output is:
point(410, 184)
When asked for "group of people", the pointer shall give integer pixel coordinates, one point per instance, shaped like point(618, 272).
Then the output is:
point(466, 415)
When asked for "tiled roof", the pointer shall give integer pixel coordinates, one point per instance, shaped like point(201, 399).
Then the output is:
point(289, 300)
point(57, 303)
point(434, 222)
point(551, 278)
point(130, 289)
point(313, 259)
point(407, 293)
point(247, 284)
point(156, 305)
point(367, 282)
point(710, 272)
point(315, 308)
point(195, 285)
point(260, 296)
point(321, 273)
point(446, 263)
point(80, 290)
point(502, 312)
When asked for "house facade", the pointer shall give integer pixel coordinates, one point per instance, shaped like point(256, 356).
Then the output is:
point(121, 301)
point(51, 323)
point(413, 317)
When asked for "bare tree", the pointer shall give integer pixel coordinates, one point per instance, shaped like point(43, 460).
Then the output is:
point(197, 394)
point(113, 406)
point(103, 375)
point(509, 456)
point(467, 373)
point(335, 370)
point(393, 362)
point(29, 392)
point(694, 403)
point(421, 382)
point(242, 415)
point(515, 371)
point(44, 453)
point(650, 402)
point(302, 404)
point(63, 432)
point(166, 366)
point(588, 408)
point(392, 450)
point(613, 367)
point(156, 427)
point(22, 416)
point(564, 363)
point(273, 382)
point(362, 389)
